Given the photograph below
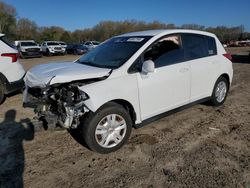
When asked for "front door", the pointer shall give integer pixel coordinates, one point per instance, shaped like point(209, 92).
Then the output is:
point(169, 86)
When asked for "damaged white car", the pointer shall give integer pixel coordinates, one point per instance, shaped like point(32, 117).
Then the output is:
point(128, 81)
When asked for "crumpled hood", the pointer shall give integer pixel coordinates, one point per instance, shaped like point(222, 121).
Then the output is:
point(52, 73)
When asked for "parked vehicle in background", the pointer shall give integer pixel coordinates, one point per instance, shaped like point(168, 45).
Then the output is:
point(76, 49)
point(243, 43)
point(52, 48)
point(28, 48)
point(11, 71)
point(91, 44)
point(128, 81)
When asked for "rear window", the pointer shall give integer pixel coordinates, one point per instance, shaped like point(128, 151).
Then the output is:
point(7, 41)
point(198, 46)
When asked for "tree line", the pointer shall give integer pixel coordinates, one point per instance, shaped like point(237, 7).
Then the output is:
point(25, 29)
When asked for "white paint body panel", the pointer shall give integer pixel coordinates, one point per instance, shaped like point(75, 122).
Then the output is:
point(167, 88)
point(12, 71)
point(64, 72)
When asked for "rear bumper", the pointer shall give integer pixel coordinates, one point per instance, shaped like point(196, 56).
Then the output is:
point(57, 52)
point(14, 86)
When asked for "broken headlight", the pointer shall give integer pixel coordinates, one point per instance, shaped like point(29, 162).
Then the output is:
point(84, 96)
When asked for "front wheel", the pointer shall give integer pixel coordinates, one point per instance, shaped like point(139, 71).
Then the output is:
point(108, 129)
point(22, 56)
point(48, 52)
point(220, 91)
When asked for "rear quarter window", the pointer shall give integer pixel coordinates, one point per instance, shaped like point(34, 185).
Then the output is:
point(211, 45)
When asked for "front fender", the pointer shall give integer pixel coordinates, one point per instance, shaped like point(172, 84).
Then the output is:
point(102, 92)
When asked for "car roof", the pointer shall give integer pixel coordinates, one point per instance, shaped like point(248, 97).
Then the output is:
point(25, 41)
point(51, 41)
point(164, 32)
point(91, 41)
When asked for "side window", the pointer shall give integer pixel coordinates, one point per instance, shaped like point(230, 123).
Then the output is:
point(136, 66)
point(166, 51)
point(194, 46)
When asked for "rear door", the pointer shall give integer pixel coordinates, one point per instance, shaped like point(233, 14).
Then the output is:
point(201, 52)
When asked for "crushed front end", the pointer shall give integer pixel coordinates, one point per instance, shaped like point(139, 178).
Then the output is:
point(59, 104)
point(53, 90)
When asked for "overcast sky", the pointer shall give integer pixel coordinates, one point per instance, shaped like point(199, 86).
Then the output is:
point(80, 14)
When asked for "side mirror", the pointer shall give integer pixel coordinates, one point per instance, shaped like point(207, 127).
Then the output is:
point(148, 66)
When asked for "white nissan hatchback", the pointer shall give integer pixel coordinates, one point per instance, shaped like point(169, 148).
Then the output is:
point(128, 81)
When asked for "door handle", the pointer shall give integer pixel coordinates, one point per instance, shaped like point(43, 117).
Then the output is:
point(182, 70)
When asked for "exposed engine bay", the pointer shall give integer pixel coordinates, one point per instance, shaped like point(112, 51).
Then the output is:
point(58, 104)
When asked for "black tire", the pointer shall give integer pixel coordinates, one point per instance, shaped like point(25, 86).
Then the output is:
point(48, 52)
point(2, 92)
point(89, 125)
point(214, 100)
point(22, 56)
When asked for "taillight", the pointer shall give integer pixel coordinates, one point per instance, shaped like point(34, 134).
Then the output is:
point(13, 56)
point(228, 56)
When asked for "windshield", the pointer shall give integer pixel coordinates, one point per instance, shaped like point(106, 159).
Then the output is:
point(52, 44)
point(113, 53)
point(28, 44)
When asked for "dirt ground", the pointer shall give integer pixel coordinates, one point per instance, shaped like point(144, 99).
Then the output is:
point(201, 146)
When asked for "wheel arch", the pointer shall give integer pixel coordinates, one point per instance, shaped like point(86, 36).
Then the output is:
point(126, 104)
point(226, 76)
point(3, 80)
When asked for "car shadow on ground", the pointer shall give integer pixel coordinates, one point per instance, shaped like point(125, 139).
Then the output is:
point(12, 159)
point(241, 59)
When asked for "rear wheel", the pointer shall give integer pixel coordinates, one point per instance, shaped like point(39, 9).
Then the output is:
point(22, 56)
point(220, 91)
point(108, 129)
point(48, 52)
point(2, 93)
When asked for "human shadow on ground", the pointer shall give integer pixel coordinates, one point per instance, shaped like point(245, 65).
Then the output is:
point(12, 159)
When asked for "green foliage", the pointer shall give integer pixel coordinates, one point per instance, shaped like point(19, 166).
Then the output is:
point(26, 29)
point(51, 33)
point(7, 19)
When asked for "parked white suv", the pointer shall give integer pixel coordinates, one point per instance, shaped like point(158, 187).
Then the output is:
point(28, 48)
point(11, 71)
point(52, 47)
point(128, 81)
point(91, 44)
